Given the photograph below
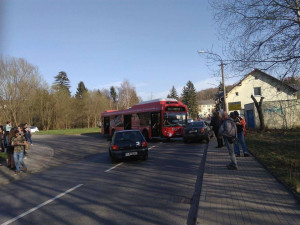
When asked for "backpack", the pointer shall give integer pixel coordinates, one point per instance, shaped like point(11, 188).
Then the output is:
point(231, 136)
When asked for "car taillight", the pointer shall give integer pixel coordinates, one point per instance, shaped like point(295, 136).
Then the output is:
point(202, 130)
point(144, 144)
point(115, 147)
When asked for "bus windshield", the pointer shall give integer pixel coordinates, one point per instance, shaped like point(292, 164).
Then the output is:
point(174, 119)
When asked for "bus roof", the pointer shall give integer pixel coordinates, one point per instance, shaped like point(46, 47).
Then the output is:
point(146, 106)
point(159, 100)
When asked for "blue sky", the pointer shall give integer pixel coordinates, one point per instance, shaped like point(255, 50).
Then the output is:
point(152, 43)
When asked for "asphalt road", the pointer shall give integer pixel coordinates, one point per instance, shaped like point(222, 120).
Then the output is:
point(81, 186)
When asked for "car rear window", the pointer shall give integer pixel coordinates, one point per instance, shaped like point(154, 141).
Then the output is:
point(197, 124)
point(128, 136)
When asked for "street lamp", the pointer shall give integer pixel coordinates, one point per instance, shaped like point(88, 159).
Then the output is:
point(222, 70)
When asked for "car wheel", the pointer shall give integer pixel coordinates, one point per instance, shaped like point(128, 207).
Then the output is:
point(112, 158)
point(145, 157)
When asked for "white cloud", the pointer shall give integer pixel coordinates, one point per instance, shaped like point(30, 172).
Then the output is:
point(211, 82)
point(118, 84)
point(108, 85)
point(152, 95)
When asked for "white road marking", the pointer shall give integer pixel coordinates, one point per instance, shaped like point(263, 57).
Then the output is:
point(114, 167)
point(152, 147)
point(41, 205)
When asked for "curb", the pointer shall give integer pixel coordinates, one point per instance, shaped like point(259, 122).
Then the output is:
point(292, 191)
point(194, 203)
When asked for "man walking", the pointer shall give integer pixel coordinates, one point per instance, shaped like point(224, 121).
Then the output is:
point(229, 133)
point(216, 123)
point(19, 144)
point(240, 135)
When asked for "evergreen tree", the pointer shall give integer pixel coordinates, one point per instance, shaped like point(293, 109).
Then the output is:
point(81, 90)
point(173, 93)
point(62, 83)
point(189, 98)
point(113, 94)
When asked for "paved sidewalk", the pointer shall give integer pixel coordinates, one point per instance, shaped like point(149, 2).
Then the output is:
point(37, 158)
point(249, 195)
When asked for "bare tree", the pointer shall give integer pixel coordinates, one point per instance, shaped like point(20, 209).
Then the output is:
point(261, 33)
point(127, 95)
point(18, 83)
point(259, 109)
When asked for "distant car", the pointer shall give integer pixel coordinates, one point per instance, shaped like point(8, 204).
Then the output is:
point(34, 129)
point(197, 131)
point(128, 143)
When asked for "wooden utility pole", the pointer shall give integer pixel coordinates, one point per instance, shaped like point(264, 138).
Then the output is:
point(224, 88)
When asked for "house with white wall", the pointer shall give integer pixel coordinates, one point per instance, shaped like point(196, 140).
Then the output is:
point(258, 84)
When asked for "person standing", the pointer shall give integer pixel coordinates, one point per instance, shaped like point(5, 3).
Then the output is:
point(1, 138)
point(240, 124)
point(1, 142)
point(27, 133)
point(18, 142)
point(216, 123)
point(10, 150)
point(229, 133)
point(7, 130)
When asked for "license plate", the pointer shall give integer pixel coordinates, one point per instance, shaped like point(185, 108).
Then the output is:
point(130, 153)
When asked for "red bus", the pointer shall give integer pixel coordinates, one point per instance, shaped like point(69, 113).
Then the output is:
point(154, 118)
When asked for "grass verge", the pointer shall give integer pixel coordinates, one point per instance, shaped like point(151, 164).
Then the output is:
point(71, 131)
point(279, 151)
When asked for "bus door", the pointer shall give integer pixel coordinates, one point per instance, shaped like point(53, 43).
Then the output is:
point(106, 124)
point(127, 122)
point(155, 124)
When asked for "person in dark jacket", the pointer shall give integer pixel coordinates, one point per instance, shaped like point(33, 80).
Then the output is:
point(229, 133)
point(27, 133)
point(216, 123)
point(2, 139)
point(10, 162)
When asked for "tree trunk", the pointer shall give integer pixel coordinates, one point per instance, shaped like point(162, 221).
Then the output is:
point(260, 112)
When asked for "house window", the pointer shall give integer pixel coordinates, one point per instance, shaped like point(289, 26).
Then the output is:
point(257, 91)
point(236, 94)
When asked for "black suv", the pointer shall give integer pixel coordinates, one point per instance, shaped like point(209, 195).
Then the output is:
point(128, 143)
point(197, 131)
